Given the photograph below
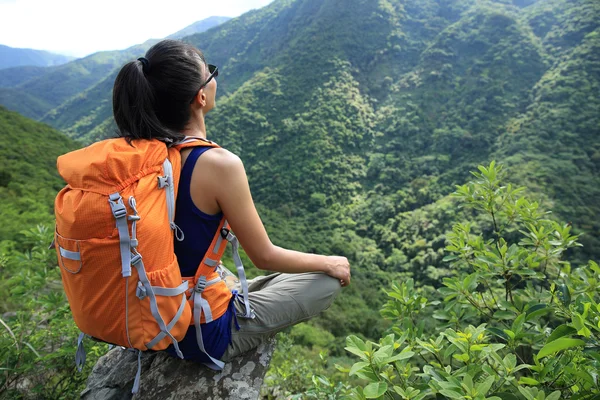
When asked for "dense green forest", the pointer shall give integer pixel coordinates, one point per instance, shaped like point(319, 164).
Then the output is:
point(355, 125)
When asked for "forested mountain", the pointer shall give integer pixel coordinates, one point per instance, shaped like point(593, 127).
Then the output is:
point(15, 57)
point(383, 107)
point(28, 177)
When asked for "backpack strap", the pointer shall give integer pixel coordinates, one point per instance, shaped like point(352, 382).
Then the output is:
point(192, 141)
point(208, 266)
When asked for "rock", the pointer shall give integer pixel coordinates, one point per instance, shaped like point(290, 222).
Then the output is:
point(166, 377)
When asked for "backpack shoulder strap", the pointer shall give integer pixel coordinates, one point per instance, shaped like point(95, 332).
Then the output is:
point(191, 141)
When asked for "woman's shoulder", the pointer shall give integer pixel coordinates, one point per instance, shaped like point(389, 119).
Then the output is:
point(219, 166)
point(221, 158)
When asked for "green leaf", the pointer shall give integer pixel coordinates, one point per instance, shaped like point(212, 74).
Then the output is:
point(561, 331)
point(357, 346)
point(502, 314)
point(451, 393)
point(554, 395)
point(358, 352)
point(355, 341)
point(375, 390)
point(528, 381)
point(483, 387)
point(536, 311)
point(510, 333)
point(518, 324)
point(535, 308)
point(401, 356)
point(558, 345)
point(357, 367)
point(565, 295)
point(527, 392)
point(498, 333)
point(579, 324)
point(467, 383)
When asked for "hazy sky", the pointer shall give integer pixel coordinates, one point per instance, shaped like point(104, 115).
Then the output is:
point(82, 27)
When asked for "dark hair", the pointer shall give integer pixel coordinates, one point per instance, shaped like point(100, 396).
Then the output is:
point(151, 99)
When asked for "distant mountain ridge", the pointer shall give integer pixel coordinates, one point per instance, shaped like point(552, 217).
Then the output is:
point(35, 92)
point(17, 57)
point(198, 27)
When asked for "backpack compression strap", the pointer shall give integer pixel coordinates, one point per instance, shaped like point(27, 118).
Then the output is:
point(207, 267)
point(213, 255)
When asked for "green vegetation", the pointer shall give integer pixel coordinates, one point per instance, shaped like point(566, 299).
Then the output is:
point(28, 177)
point(515, 320)
point(355, 125)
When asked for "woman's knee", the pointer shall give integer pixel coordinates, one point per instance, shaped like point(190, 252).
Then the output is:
point(325, 290)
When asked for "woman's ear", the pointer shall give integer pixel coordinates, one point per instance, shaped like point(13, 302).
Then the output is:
point(200, 97)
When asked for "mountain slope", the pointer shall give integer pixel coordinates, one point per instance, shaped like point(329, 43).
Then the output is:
point(74, 77)
point(555, 145)
point(28, 177)
point(14, 76)
point(15, 57)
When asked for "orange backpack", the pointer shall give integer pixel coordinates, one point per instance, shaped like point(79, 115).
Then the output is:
point(115, 245)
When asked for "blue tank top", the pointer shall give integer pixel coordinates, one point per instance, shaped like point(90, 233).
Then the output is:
point(198, 229)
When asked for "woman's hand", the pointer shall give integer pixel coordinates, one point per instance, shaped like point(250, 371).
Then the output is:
point(339, 268)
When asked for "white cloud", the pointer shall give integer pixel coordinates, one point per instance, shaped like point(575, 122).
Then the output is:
point(81, 27)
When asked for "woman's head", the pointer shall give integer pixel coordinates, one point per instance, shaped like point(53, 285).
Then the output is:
point(151, 96)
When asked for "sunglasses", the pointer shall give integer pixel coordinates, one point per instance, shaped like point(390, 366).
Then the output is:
point(214, 72)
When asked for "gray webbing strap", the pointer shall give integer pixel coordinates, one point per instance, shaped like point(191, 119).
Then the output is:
point(235, 244)
point(139, 265)
point(169, 292)
point(200, 305)
point(168, 184)
point(162, 335)
point(138, 375)
point(80, 353)
point(71, 255)
point(210, 262)
point(120, 213)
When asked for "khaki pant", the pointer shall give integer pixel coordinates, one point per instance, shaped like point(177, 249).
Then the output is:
point(279, 301)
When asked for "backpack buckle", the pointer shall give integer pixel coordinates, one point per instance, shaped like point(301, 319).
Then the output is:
point(140, 291)
point(163, 181)
point(136, 259)
point(227, 235)
point(200, 285)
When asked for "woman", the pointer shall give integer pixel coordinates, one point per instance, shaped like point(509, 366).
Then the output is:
point(166, 96)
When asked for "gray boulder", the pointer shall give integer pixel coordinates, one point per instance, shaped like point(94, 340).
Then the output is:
point(166, 377)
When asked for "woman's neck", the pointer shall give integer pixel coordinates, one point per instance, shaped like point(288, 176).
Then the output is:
point(196, 128)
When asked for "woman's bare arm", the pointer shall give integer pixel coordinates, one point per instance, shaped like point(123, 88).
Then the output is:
point(221, 173)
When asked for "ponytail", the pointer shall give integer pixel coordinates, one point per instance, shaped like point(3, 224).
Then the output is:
point(151, 95)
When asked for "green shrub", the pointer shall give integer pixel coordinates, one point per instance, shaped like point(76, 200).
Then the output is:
point(516, 321)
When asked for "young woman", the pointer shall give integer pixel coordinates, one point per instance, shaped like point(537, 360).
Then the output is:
point(166, 95)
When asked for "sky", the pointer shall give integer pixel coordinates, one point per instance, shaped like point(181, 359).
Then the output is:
point(81, 27)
